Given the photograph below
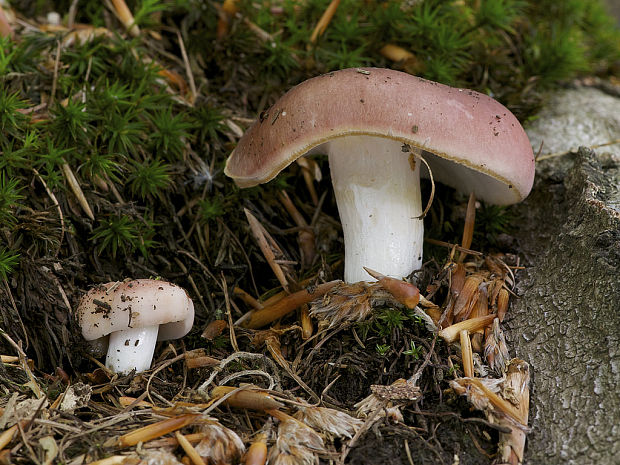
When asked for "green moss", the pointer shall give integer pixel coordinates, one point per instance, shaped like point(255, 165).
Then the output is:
point(136, 142)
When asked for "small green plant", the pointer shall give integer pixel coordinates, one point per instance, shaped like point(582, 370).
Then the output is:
point(210, 123)
point(102, 165)
point(13, 159)
point(413, 351)
point(210, 209)
point(281, 59)
point(123, 131)
point(121, 233)
point(8, 261)
point(9, 199)
point(143, 16)
point(413, 316)
point(149, 178)
point(390, 319)
point(11, 119)
point(71, 123)
point(382, 349)
point(170, 135)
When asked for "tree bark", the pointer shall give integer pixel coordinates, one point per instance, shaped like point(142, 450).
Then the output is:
point(566, 321)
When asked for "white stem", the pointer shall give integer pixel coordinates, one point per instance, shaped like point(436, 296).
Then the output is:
point(131, 349)
point(377, 187)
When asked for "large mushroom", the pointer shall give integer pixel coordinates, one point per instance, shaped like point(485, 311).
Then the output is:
point(374, 124)
point(135, 314)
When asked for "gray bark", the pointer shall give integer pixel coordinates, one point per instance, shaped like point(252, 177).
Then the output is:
point(565, 323)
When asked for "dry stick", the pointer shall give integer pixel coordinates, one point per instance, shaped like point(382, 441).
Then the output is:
point(256, 305)
point(247, 298)
point(454, 246)
point(308, 179)
point(7, 436)
point(560, 154)
point(517, 381)
point(326, 18)
point(275, 352)
point(305, 235)
point(188, 68)
point(281, 295)
point(261, 236)
point(125, 16)
point(77, 190)
point(260, 318)
point(496, 401)
point(231, 326)
point(62, 293)
point(408, 452)
point(117, 195)
point(21, 322)
point(137, 402)
point(242, 373)
point(467, 297)
point(452, 333)
point(202, 389)
point(414, 379)
point(202, 265)
point(112, 460)
point(157, 370)
point(23, 361)
point(27, 444)
point(317, 211)
point(502, 303)
point(468, 229)
point(252, 399)
point(224, 398)
point(5, 27)
point(72, 13)
point(481, 308)
point(247, 258)
point(189, 449)
point(308, 253)
point(57, 205)
point(55, 77)
point(201, 362)
point(155, 430)
point(193, 438)
point(467, 354)
point(418, 153)
point(367, 424)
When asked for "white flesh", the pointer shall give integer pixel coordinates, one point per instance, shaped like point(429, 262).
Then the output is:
point(378, 197)
point(131, 349)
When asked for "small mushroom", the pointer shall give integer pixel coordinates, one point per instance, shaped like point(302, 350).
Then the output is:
point(136, 314)
point(374, 124)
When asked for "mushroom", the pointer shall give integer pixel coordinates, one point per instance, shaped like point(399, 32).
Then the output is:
point(136, 314)
point(374, 124)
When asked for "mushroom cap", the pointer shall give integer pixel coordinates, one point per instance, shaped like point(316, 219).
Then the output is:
point(137, 303)
point(474, 143)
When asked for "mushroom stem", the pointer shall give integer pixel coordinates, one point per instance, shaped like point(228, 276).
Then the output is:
point(377, 185)
point(131, 349)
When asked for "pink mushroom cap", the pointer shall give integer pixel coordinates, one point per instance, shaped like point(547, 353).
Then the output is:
point(471, 142)
point(138, 303)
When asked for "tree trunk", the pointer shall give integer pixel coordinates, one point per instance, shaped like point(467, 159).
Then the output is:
point(566, 321)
